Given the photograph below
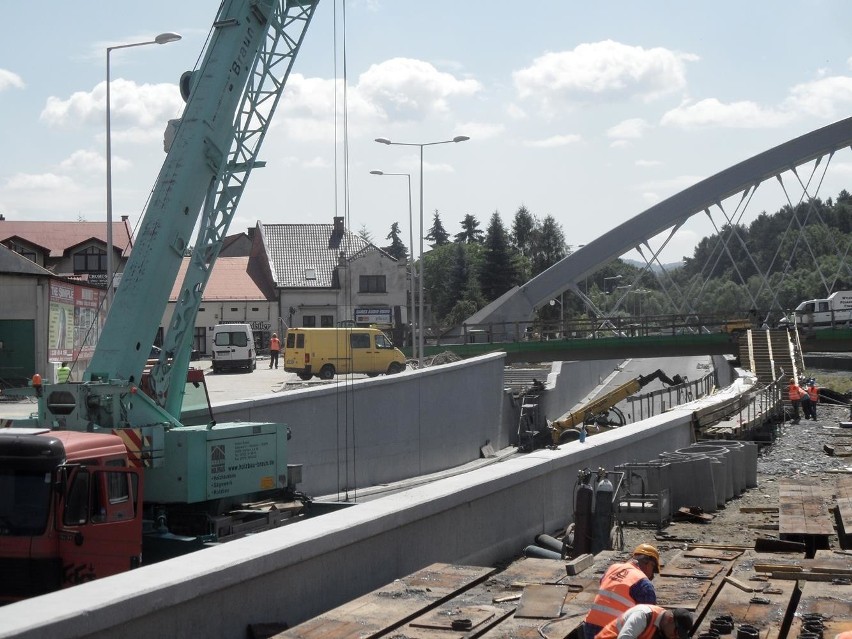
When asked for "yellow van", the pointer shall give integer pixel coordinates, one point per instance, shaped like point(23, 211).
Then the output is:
point(325, 352)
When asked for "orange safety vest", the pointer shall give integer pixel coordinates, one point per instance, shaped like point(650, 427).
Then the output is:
point(613, 596)
point(653, 613)
point(796, 392)
point(813, 393)
point(275, 344)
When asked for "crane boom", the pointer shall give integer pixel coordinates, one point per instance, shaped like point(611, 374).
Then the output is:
point(231, 97)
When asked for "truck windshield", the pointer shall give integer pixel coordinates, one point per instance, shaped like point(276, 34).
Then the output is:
point(24, 502)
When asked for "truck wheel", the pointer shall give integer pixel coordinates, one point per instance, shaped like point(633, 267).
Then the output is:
point(395, 367)
point(327, 372)
point(304, 376)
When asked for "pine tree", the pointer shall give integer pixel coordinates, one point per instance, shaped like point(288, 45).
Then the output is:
point(437, 235)
point(396, 248)
point(470, 233)
point(522, 230)
point(498, 273)
point(547, 245)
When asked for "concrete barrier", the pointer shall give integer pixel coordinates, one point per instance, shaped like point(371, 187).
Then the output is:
point(296, 572)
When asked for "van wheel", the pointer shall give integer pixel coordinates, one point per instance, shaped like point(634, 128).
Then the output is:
point(327, 372)
point(395, 367)
point(304, 376)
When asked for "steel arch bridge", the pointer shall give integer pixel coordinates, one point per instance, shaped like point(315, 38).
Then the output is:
point(810, 154)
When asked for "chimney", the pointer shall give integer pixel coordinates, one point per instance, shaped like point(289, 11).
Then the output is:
point(2, 218)
point(338, 225)
point(124, 218)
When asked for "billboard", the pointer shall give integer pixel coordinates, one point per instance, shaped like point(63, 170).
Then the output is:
point(75, 318)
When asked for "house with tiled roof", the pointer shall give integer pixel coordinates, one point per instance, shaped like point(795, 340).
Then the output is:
point(326, 275)
point(240, 290)
point(76, 250)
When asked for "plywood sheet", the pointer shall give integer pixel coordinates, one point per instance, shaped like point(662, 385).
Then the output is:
point(542, 601)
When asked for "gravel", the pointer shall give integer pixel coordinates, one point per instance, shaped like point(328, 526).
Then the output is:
point(796, 452)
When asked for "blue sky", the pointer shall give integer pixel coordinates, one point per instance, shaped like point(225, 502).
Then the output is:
point(589, 112)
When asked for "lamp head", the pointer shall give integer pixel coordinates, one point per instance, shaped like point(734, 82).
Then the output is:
point(165, 38)
point(461, 138)
point(376, 173)
point(383, 141)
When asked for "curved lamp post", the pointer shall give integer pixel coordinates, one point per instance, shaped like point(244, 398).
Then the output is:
point(163, 38)
point(458, 138)
point(410, 257)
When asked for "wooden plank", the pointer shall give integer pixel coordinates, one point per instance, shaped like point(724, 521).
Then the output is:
point(802, 509)
point(744, 606)
point(391, 605)
point(542, 601)
point(833, 604)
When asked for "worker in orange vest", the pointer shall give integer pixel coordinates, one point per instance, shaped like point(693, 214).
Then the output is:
point(795, 394)
point(274, 349)
point(645, 621)
point(622, 586)
point(813, 395)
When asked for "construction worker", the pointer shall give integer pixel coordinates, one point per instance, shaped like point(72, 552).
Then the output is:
point(274, 349)
point(813, 395)
point(795, 394)
point(645, 621)
point(63, 373)
point(624, 585)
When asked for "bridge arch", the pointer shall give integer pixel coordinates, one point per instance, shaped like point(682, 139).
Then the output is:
point(817, 147)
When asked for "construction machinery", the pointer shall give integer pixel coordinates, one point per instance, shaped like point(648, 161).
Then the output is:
point(602, 411)
point(105, 470)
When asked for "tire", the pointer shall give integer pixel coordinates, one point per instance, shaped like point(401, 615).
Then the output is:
point(395, 367)
point(304, 376)
point(327, 372)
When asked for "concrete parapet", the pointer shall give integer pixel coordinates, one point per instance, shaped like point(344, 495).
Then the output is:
point(296, 572)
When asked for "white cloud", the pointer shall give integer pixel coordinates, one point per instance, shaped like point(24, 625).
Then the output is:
point(147, 106)
point(40, 182)
point(84, 161)
point(648, 163)
point(403, 88)
point(824, 98)
point(554, 141)
point(516, 112)
point(479, 130)
point(10, 80)
point(601, 71)
point(711, 112)
point(631, 129)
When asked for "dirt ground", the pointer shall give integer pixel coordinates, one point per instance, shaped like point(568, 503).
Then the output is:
point(796, 452)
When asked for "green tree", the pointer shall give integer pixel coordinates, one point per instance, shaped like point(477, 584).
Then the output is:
point(396, 248)
point(470, 233)
point(364, 233)
point(547, 245)
point(522, 230)
point(498, 272)
point(437, 235)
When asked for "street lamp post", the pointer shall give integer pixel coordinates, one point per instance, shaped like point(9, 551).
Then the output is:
point(410, 256)
point(163, 38)
point(458, 138)
point(606, 288)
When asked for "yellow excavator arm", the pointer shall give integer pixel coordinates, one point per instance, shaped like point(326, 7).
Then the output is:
point(605, 402)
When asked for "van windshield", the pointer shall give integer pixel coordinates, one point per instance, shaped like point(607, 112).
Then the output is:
point(231, 339)
point(383, 342)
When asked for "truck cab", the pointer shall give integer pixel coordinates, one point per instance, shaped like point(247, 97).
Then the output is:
point(70, 510)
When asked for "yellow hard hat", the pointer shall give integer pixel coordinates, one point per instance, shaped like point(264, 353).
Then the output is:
point(647, 550)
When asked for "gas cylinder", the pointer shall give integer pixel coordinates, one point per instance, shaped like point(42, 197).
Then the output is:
point(583, 499)
point(602, 518)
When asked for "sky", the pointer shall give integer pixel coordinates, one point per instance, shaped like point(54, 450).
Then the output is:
point(588, 112)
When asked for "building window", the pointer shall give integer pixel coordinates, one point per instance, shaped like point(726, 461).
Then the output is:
point(372, 284)
point(309, 321)
point(23, 251)
point(327, 321)
point(92, 260)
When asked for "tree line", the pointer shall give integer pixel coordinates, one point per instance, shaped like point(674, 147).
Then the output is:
point(802, 251)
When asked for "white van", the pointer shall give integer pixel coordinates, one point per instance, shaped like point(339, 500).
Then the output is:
point(233, 347)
